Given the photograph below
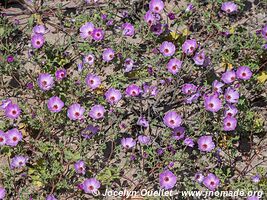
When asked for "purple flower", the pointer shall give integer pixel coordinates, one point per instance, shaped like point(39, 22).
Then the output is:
point(39, 29)
point(229, 123)
point(104, 16)
point(205, 143)
point(10, 59)
point(157, 29)
point(132, 157)
point(167, 180)
point(145, 155)
point(228, 77)
point(45, 81)
point(80, 67)
point(231, 95)
point(229, 7)
point(178, 133)
point(79, 167)
point(189, 46)
point(125, 13)
point(37, 41)
point(160, 151)
point(97, 112)
point(91, 1)
point(91, 185)
point(153, 90)
point(13, 137)
point(51, 197)
point(189, 8)
point(225, 33)
point(156, 6)
point(133, 90)
point(149, 18)
point(256, 178)
point(18, 162)
point(108, 54)
point(143, 139)
point(90, 59)
point(127, 29)
point(29, 85)
point(217, 85)
point(243, 72)
point(172, 119)
point(113, 96)
point(90, 131)
point(167, 48)
point(61, 74)
point(2, 193)
point(128, 143)
point(174, 65)
point(192, 98)
point(199, 58)
point(145, 88)
point(171, 164)
point(212, 103)
point(199, 177)
point(75, 112)
point(3, 138)
point(110, 22)
point(12, 111)
point(5, 103)
point(211, 181)
point(264, 32)
point(142, 122)
point(253, 198)
point(171, 16)
point(92, 81)
point(55, 104)
point(128, 64)
point(189, 89)
point(86, 30)
point(231, 111)
point(189, 142)
point(98, 34)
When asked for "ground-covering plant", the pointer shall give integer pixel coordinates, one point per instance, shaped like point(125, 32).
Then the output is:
point(130, 95)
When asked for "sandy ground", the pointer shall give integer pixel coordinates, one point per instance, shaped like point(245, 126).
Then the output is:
point(56, 36)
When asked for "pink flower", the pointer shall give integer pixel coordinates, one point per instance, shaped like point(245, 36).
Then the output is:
point(228, 77)
point(167, 179)
point(189, 46)
point(205, 143)
point(243, 72)
point(212, 103)
point(86, 30)
point(211, 181)
point(229, 123)
point(229, 7)
point(174, 65)
point(92, 81)
point(128, 143)
point(98, 34)
point(75, 111)
point(156, 6)
point(167, 48)
point(12, 111)
point(231, 95)
point(172, 119)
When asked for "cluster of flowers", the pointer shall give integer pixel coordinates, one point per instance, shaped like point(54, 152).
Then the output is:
point(223, 92)
point(168, 180)
point(213, 103)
